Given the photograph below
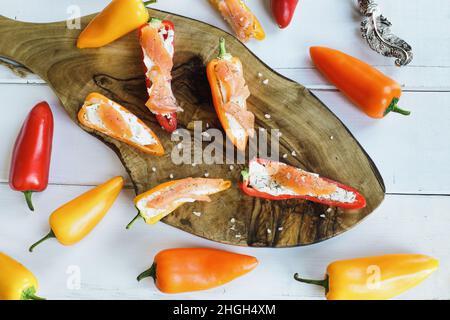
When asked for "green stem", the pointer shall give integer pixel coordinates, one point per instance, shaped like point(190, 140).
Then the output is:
point(245, 175)
point(323, 283)
point(48, 236)
point(146, 3)
point(134, 220)
point(29, 294)
point(148, 273)
point(393, 107)
point(28, 195)
point(155, 20)
point(223, 54)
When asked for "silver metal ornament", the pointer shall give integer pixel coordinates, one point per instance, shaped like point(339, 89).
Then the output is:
point(376, 30)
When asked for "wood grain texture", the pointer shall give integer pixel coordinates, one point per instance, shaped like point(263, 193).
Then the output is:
point(115, 70)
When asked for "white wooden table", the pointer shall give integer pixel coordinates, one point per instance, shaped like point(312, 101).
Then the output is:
point(412, 154)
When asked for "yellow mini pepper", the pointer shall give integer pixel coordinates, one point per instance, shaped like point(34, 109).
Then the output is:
point(167, 197)
point(74, 220)
point(116, 20)
point(16, 281)
point(374, 278)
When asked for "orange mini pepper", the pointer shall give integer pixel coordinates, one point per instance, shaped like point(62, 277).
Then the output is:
point(240, 18)
point(374, 278)
point(229, 93)
point(76, 219)
point(116, 20)
point(16, 281)
point(192, 269)
point(373, 92)
point(117, 123)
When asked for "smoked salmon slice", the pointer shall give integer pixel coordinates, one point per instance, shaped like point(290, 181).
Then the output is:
point(156, 39)
point(235, 93)
point(153, 43)
point(108, 117)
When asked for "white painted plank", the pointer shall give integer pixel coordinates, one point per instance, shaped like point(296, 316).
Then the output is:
point(409, 151)
point(317, 22)
point(111, 257)
point(410, 78)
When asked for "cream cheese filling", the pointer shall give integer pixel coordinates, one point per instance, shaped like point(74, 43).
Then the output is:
point(139, 135)
point(260, 179)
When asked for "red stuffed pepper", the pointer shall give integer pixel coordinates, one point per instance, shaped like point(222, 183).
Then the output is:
point(157, 42)
point(278, 181)
point(32, 151)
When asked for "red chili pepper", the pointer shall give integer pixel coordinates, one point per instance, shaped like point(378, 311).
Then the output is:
point(32, 152)
point(283, 11)
point(360, 201)
point(169, 123)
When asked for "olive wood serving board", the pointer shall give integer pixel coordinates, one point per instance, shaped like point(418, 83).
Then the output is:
point(305, 122)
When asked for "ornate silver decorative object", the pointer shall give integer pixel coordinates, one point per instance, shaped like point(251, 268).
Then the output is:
point(376, 30)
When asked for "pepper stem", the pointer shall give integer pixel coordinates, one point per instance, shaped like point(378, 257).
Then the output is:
point(146, 3)
point(155, 20)
point(245, 175)
point(29, 294)
point(28, 195)
point(48, 236)
point(148, 273)
point(223, 54)
point(134, 220)
point(323, 283)
point(393, 107)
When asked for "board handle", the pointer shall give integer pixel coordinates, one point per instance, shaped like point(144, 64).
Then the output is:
point(37, 46)
point(13, 39)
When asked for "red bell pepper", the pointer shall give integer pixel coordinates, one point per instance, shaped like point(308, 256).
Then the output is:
point(358, 203)
point(283, 11)
point(32, 152)
point(168, 122)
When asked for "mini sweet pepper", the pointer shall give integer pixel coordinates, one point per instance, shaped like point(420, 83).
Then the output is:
point(374, 278)
point(116, 20)
point(16, 281)
point(77, 218)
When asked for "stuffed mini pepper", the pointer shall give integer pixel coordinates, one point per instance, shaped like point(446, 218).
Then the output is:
point(278, 181)
point(158, 202)
point(230, 93)
point(110, 118)
point(240, 18)
point(157, 42)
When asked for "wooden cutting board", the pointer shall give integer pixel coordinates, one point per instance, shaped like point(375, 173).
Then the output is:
point(306, 124)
